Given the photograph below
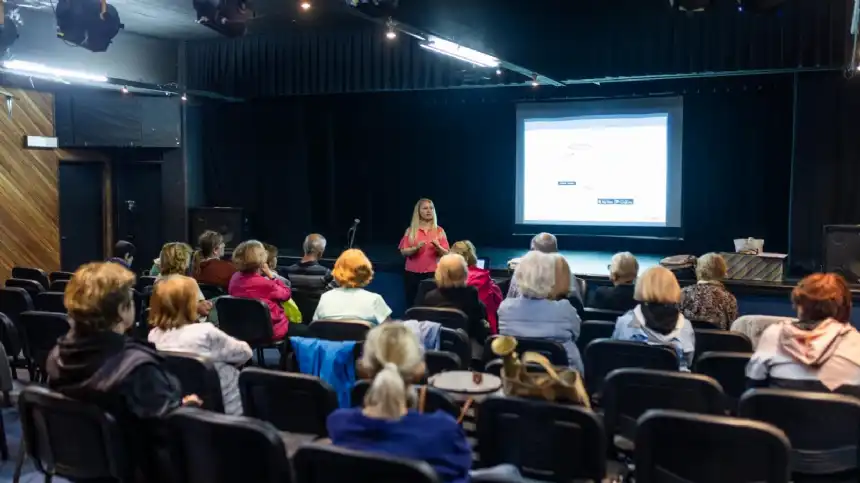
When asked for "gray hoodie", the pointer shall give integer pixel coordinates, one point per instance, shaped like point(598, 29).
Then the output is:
point(632, 326)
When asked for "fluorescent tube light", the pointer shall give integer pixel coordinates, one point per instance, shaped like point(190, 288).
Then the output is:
point(451, 49)
point(24, 67)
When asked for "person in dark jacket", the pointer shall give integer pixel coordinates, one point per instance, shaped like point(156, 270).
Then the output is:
point(623, 270)
point(452, 292)
point(207, 265)
point(123, 253)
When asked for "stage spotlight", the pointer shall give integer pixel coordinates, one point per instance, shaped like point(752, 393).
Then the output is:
point(759, 6)
point(184, 97)
point(90, 24)
point(535, 81)
point(124, 90)
point(391, 34)
point(305, 6)
point(690, 5)
point(498, 71)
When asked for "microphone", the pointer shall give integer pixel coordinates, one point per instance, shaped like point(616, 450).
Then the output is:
point(355, 223)
point(351, 232)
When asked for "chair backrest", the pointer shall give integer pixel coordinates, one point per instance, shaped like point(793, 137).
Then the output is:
point(143, 282)
point(209, 447)
point(13, 302)
point(435, 399)
point(197, 375)
point(628, 393)
point(319, 463)
point(35, 274)
point(606, 315)
point(683, 447)
point(49, 420)
point(603, 356)
point(10, 337)
point(291, 401)
point(592, 330)
point(727, 368)
point(58, 286)
point(550, 349)
point(457, 342)
point(42, 330)
point(342, 330)
point(307, 299)
point(448, 317)
point(424, 286)
point(824, 429)
point(721, 340)
point(305, 282)
point(547, 441)
point(59, 276)
point(211, 291)
point(31, 286)
point(50, 302)
point(245, 319)
point(704, 325)
point(441, 361)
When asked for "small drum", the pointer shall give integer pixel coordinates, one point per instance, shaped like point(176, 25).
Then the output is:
point(465, 385)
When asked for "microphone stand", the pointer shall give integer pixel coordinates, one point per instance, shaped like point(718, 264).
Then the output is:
point(351, 235)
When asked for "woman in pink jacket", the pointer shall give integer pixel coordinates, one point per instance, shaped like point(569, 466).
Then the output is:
point(255, 280)
point(488, 291)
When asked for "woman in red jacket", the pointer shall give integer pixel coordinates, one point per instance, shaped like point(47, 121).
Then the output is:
point(255, 280)
point(488, 291)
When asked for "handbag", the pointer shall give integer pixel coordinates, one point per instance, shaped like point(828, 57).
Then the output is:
point(683, 266)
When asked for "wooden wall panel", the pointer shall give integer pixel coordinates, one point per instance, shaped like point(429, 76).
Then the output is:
point(29, 198)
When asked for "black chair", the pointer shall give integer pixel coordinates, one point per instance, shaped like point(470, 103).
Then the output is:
point(435, 399)
point(603, 356)
point(547, 441)
point(211, 291)
point(628, 393)
point(704, 325)
point(50, 302)
point(307, 299)
point(592, 330)
point(197, 375)
point(441, 361)
point(210, 447)
point(318, 463)
point(42, 330)
point(31, 286)
point(35, 274)
point(60, 276)
point(729, 369)
point(342, 330)
point(143, 282)
point(592, 313)
point(293, 402)
point(425, 286)
point(682, 447)
point(13, 302)
point(12, 341)
point(450, 318)
point(457, 342)
point(824, 429)
point(49, 420)
point(248, 320)
point(58, 286)
point(551, 350)
point(722, 341)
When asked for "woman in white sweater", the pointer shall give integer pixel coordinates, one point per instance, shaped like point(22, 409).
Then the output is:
point(173, 317)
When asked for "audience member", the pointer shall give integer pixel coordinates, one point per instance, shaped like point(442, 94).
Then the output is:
point(451, 291)
point(547, 243)
point(657, 320)
point(123, 254)
point(272, 261)
point(174, 260)
point(173, 314)
point(313, 248)
point(708, 300)
point(623, 270)
point(489, 293)
point(352, 272)
point(208, 267)
point(422, 245)
point(255, 280)
point(94, 362)
point(818, 352)
point(536, 313)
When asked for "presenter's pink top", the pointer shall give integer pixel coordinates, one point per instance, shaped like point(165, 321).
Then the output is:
point(424, 260)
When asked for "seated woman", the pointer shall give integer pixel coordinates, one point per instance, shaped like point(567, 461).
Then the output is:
point(488, 292)
point(173, 309)
point(96, 363)
point(352, 272)
point(623, 270)
point(452, 292)
point(255, 280)
point(174, 261)
point(208, 267)
point(818, 352)
point(542, 311)
point(272, 261)
point(708, 300)
point(657, 320)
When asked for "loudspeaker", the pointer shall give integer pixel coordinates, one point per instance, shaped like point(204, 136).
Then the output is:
point(229, 222)
point(842, 251)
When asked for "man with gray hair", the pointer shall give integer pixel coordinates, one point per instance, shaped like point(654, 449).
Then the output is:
point(313, 248)
point(545, 243)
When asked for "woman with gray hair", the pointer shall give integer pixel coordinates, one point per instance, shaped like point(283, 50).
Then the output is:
point(538, 313)
point(708, 300)
point(623, 270)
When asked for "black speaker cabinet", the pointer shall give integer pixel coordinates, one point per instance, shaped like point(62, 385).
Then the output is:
point(842, 251)
point(229, 222)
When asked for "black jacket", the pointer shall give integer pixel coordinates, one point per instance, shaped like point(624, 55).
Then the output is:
point(618, 297)
point(465, 299)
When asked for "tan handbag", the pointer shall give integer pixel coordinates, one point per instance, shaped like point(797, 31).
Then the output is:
point(554, 385)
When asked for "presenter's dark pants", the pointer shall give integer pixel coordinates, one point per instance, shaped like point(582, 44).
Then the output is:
point(411, 281)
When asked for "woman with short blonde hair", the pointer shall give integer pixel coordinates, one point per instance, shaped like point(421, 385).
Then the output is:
point(623, 270)
point(658, 285)
point(254, 279)
point(172, 315)
point(175, 259)
point(452, 292)
point(709, 300)
point(250, 256)
point(352, 272)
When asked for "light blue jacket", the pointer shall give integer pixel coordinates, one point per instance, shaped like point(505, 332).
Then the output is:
point(631, 326)
point(331, 361)
point(554, 320)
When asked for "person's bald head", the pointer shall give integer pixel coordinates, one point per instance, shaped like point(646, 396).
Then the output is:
point(314, 245)
point(545, 243)
point(451, 271)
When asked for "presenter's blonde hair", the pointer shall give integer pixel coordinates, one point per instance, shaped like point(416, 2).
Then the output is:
point(416, 219)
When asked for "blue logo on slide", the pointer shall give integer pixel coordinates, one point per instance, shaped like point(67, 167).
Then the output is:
point(614, 201)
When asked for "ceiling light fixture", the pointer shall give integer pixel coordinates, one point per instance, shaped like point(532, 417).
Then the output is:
point(30, 68)
point(391, 34)
point(457, 51)
point(305, 6)
point(184, 97)
point(124, 90)
point(535, 82)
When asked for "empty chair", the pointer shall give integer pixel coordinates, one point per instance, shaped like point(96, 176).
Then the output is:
point(31, 286)
point(603, 356)
point(681, 447)
point(339, 329)
point(551, 350)
point(441, 361)
point(434, 399)
point(721, 340)
point(547, 441)
point(60, 276)
point(448, 317)
point(11, 340)
point(197, 375)
point(50, 302)
point(593, 330)
point(35, 274)
point(628, 393)
point(727, 368)
point(824, 429)
point(593, 313)
point(249, 320)
point(42, 330)
point(58, 286)
point(425, 286)
point(317, 463)
point(293, 402)
point(209, 447)
point(457, 342)
point(14, 301)
point(306, 298)
point(210, 291)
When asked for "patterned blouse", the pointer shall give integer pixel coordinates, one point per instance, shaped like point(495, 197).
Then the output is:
point(709, 302)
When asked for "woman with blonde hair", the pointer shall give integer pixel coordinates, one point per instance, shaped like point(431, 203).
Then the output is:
point(207, 265)
point(623, 270)
point(173, 314)
point(352, 272)
point(708, 300)
point(422, 245)
point(452, 292)
point(174, 260)
point(657, 319)
point(255, 280)
point(488, 292)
